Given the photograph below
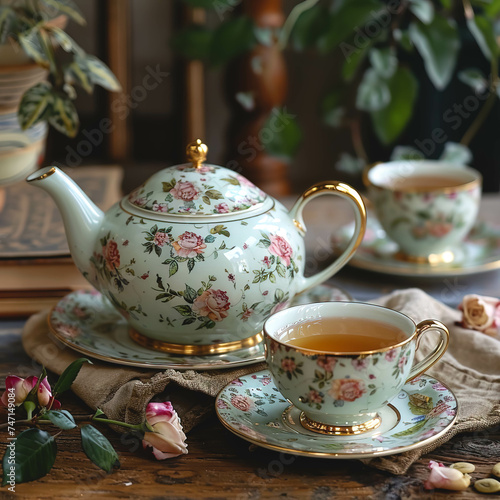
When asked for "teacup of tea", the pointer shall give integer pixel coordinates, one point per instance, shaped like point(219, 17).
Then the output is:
point(341, 363)
point(426, 207)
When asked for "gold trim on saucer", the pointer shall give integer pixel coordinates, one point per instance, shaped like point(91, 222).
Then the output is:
point(339, 430)
point(434, 259)
point(196, 350)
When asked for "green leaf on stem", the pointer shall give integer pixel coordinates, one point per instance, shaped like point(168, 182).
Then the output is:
point(34, 104)
point(281, 134)
point(373, 92)
point(390, 121)
point(423, 9)
point(33, 454)
point(348, 21)
point(30, 41)
point(193, 42)
point(61, 418)
point(474, 78)
point(69, 375)
point(232, 38)
point(310, 25)
point(65, 41)
point(331, 110)
point(101, 75)
point(438, 44)
point(76, 72)
point(63, 116)
point(384, 61)
point(99, 450)
point(492, 9)
point(353, 62)
point(67, 7)
point(483, 32)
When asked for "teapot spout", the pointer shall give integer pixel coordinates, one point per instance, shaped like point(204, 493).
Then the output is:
point(82, 218)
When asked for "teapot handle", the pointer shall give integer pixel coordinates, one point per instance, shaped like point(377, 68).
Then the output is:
point(344, 191)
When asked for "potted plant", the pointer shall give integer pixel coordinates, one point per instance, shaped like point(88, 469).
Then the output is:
point(40, 68)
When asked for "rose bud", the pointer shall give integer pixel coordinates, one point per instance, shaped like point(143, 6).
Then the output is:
point(446, 478)
point(168, 438)
point(481, 313)
point(22, 387)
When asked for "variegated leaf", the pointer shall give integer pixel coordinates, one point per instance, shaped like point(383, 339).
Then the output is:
point(6, 18)
point(67, 7)
point(101, 75)
point(64, 117)
point(79, 73)
point(65, 41)
point(31, 43)
point(35, 104)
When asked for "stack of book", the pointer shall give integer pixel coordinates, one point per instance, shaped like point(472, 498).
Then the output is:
point(36, 268)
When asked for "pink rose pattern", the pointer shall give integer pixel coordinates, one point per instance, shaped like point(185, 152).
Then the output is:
point(189, 245)
point(281, 248)
point(347, 389)
point(185, 191)
point(212, 303)
point(241, 402)
point(111, 255)
point(161, 238)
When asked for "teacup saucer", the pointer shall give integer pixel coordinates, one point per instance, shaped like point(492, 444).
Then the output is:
point(88, 323)
point(252, 408)
point(480, 252)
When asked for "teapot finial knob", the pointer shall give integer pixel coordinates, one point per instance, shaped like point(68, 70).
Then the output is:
point(196, 152)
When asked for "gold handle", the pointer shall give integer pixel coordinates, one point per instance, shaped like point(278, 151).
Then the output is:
point(345, 191)
point(444, 339)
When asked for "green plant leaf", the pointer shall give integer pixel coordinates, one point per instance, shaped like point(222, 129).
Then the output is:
point(310, 25)
point(384, 61)
point(403, 37)
point(67, 7)
point(69, 375)
point(62, 418)
point(492, 9)
point(34, 456)
point(184, 310)
point(350, 164)
point(34, 104)
point(63, 116)
point(101, 75)
point(283, 134)
point(373, 92)
point(331, 110)
point(193, 42)
point(232, 38)
point(406, 153)
point(351, 16)
point(98, 448)
point(438, 44)
point(483, 32)
point(353, 62)
point(65, 41)
point(7, 17)
point(390, 121)
point(79, 74)
point(423, 9)
point(474, 78)
point(32, 45)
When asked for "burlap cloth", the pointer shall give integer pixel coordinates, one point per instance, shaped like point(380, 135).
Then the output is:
point(470, 368)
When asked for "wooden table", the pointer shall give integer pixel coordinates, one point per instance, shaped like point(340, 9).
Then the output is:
point(222, 466)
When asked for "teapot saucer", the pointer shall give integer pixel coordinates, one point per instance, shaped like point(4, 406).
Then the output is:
point(480, 252)
point(88, 323)
point(252, 408)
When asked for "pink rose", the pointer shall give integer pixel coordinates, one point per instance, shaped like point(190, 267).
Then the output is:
point(138, 201)
point(167, 439)
point(160, 207)
point(481, 313)
point(446, 478)
point(360, 364)
point(247, 314)
point(241, 402)
point(244, 181)
point(111, 255)
point(401, 363)
point(70, 331)
point(326, 362)
point(288, 364)
point(391, 355)
point(185, 190)
point(266, 261)
point(212, 303)
point(281, 248)
point(439, 229)
point(21, 387)
point(222, 208)
point(314, 397)
point(160, 238)
point(347, 389)
point(189, 245)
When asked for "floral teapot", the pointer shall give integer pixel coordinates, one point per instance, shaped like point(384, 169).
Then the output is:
point(198, 257)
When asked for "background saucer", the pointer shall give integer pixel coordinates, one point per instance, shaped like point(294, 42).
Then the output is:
point(252, 408)
point(480, 252)
point(88, 323)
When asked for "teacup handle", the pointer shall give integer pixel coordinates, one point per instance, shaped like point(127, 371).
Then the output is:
point(444, 339)
point(344, 191)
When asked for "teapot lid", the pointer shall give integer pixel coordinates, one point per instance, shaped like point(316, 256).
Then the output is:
point(197, 189)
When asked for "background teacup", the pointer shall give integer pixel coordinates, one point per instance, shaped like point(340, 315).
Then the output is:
point(426, 207)
point(342, 393)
